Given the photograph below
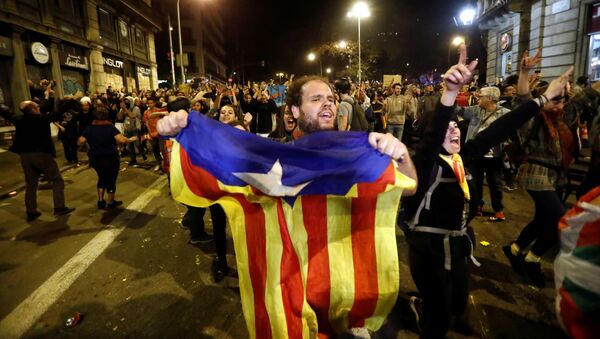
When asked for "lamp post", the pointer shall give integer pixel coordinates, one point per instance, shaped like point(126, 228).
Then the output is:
point(311, 57)
point(456, 41)
point(180, 45)
point(171, 49)
point(359, 10)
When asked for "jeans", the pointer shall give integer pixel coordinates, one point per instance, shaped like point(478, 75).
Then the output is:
point(34, 164)
point(396, 130)
point(491, 168)
point(133, 145)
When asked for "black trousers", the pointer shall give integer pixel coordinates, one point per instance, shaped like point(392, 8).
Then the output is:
point(107, 168)
point(194, 218)
point(491, 168)
point(542, 231)
point(70, 147)
point(444, 293)
point(34, 164)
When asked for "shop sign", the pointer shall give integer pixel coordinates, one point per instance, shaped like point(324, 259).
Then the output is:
point(145, 71)
point(505, 42)
point(40, 52)
point(113, 63)
point(74, 60)
point(5, 46)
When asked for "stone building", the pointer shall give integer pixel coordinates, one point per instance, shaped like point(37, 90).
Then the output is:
point(85, 45)
point(203, 39)
point(567, 31)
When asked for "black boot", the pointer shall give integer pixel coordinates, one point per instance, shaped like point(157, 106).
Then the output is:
point(219, 269)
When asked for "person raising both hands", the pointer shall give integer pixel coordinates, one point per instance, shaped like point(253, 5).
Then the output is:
point(437, 216)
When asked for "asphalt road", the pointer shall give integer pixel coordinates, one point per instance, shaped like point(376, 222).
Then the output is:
point(131, 273)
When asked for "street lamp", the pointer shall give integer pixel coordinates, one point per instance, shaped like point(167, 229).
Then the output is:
point(456, 41)
point(467, 15)
point(180, 45)
point(171, 49)
point(359, 10)
point(311, 57)
point(328, 70)
point(342, 44)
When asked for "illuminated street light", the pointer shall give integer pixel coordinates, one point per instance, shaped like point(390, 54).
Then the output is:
point(342, 44)
point(311, 57)
point(466, 16)
point(359, 10)
point(328, 70)
point(457, 41)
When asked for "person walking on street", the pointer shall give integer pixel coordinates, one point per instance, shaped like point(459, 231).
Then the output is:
point(102, 137)
point(33, 142)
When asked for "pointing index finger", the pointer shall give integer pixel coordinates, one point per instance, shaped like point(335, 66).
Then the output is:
point(462, 59)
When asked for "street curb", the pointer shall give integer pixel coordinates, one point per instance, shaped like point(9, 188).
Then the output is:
point(21, 187)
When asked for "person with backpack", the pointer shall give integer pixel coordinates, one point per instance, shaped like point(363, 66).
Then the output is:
point(436, 218)
point(351, 115)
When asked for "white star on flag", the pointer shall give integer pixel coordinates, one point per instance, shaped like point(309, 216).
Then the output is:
point(270, 183)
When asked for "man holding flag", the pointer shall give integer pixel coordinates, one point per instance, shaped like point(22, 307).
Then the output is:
point(313, 221)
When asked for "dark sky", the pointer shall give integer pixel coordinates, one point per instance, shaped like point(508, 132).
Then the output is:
point(283, 32)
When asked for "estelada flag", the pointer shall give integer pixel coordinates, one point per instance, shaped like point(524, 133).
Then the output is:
point(313, 224)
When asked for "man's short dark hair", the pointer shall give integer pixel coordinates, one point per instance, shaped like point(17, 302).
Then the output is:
point(100, 113)
point(294, 92)
point(178, 104)
point(343, 85)
point(397, 84)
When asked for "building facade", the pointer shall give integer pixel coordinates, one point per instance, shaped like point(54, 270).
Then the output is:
point(567, 31)
point(83, 45)
point(203, 39)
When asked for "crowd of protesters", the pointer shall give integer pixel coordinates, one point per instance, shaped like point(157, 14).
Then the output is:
point(124, 124)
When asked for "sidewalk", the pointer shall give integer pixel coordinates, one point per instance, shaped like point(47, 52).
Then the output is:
point(12, 178)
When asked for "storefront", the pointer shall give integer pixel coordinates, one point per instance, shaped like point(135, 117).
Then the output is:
point(6, 128)
point(74, 68)
point(143, 77)
point(593, 63)
point(38, 64)
point(113, 72)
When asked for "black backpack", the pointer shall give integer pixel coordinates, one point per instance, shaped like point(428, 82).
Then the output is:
point(358, 121)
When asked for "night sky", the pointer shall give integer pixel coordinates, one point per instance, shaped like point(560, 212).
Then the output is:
point(282, 35)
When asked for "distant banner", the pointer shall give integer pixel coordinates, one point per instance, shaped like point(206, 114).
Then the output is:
point(389, 80)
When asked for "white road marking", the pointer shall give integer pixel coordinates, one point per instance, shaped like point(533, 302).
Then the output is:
point(24, 316)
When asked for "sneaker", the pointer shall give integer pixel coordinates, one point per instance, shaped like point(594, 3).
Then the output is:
point(133, 163)
point(101, 204)
point(156, 168)
point(479, 211)
point(498, 217)
point(31, 216)
point(183, 226)
point(204, 238)
point(219, 269)
point(533, 272)
point(516, 261)
point(63, 210)
point(416, 306)
point(114, 204)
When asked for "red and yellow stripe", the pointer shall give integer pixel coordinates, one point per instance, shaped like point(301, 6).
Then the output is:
point(319, 267)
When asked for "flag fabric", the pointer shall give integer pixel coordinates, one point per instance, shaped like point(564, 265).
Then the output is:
point(577, 268)
point(313, 224)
